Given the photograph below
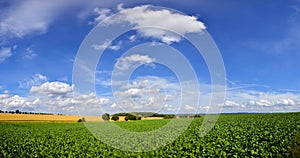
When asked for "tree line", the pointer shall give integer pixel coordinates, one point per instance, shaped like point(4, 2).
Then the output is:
point(25, 112)
point(139, 115)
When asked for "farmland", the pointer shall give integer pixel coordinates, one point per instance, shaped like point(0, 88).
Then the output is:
point(40, 118)
point(234, 135)
point(57, 118)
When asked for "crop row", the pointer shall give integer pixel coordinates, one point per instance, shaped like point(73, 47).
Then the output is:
point(243, 135)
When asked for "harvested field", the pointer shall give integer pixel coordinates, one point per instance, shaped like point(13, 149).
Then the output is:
point(33, 117)
point(59, 118)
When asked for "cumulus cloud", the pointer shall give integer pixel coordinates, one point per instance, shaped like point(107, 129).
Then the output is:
point(5, 53)
point(14, 102)
point(260, 101)
point(147, 93)
point(288, 102)
point(55, 97)
point(161, 23)
point(144, 93)
point(52, 88)
point(229, 103)
point(127, 62)
point(114, 105)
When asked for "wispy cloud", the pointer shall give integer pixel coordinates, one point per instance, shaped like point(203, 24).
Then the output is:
point(52, 89)
point(27, 17)
point(107, 44)
point(5, 53)
point(35, 80)
point(31, 17)
point(29, 53)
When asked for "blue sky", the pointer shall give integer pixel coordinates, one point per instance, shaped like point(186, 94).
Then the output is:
point(39, 41)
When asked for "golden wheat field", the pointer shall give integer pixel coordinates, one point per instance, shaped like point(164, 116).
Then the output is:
point(33, 117)
point(58, 118)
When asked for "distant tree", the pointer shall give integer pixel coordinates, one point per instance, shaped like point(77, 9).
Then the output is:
point(169, 116)
point(197, 115)
point(157, 115)
point(121, 114)
point(81, 120)
point(138, 117)
point(115, 117)
point(17, 111)
point(132, 117)
point(105, 117)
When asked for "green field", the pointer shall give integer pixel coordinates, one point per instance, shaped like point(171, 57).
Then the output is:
point(234, 135)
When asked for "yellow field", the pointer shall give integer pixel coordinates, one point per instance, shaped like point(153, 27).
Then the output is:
point(59, 118)
point(152, 118)
point(31, 117)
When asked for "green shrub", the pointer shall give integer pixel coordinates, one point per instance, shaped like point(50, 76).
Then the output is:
point(81, 120)
point(105, 117)
point(115, 117)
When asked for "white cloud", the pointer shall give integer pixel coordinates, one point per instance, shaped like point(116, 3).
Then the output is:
point(14, 102)
point(35, 80)
point(127, 62)
point(229, 103)
point(102, 45)
point(52, 88)
point(55, 97)
point(114, 105)
point(29, 53)
point(5, 53)
point(4, 96)
point(144, 93)
point(115, 47)
point(190, 108)
point(147, 93)
point(107, 44)
point(159, 22)
point(28, 16)
point(260, 101)
point(101, 15)
point(169, 107)
point(288, 102)
point(132, 38)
